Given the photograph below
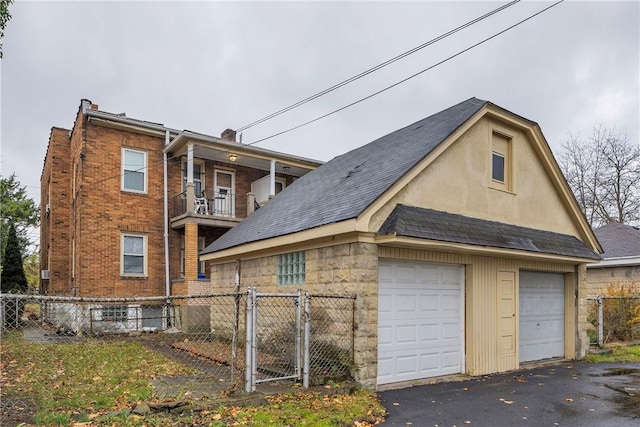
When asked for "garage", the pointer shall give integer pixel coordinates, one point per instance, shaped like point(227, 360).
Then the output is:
point(420, 320)
point(541, 316)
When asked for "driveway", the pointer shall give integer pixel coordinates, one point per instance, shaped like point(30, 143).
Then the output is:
point(564, 394)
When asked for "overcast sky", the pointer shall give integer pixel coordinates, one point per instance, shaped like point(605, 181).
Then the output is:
point(208, 66)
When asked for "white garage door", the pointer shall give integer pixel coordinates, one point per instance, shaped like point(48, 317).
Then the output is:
point(541, 316)
point(420, 320)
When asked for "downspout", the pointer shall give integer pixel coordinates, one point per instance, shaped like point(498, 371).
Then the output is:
point(166, 222)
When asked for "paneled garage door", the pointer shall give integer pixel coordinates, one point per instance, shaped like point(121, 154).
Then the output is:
point(541, 316)
point(420, 320)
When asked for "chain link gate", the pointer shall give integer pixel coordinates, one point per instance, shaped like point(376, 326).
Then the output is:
point(274, 338)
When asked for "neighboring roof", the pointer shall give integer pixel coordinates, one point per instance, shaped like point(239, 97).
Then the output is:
point(344, 187)
point(619, 240)
point(409, 221)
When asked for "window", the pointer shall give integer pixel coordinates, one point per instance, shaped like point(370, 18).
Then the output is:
point(198, 177)
point(114, 313)
point(134, 170)
point(501, 162)
point(291, 269)
point(134, 248)
point(497, 173)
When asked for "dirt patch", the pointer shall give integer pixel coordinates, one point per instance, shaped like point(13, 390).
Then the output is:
point(16, 410)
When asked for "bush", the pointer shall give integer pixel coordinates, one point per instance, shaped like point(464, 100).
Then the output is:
point(620, 313)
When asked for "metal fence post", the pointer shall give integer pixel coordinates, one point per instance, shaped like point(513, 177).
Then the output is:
point(254, 339)
point(248, 347)
point(600, 322)
point(307, 340)
point(298, 354)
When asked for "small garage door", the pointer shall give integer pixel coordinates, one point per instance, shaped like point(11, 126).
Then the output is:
point(541, 316)
point(420, 320)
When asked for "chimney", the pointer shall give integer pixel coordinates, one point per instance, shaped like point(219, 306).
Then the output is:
point(229, 135)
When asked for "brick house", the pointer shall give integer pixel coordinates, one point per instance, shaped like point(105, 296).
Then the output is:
point(458, 233)
point(127, 204)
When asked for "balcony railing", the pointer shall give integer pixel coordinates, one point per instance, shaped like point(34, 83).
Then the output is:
point(220, 205)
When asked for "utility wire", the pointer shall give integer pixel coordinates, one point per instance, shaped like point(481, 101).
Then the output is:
point(407, 78)
point(377, 67)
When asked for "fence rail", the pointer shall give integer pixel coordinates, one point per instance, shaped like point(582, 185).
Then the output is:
point(208, 334)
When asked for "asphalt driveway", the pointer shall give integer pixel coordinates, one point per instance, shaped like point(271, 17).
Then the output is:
point(564, 394)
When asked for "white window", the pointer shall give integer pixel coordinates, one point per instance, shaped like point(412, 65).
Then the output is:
point(134, 170)
point(134, 259)
point(291, 268)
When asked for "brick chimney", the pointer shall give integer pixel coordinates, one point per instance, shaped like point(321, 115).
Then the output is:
point(229, 135)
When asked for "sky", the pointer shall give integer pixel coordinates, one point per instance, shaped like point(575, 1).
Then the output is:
point(207, 66)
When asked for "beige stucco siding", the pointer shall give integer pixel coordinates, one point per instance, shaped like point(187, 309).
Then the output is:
point(459, 181)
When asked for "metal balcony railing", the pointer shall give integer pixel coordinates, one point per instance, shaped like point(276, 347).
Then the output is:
point(222, 204)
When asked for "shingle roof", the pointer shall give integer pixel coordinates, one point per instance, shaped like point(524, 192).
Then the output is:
point(344, 187)
point(619, 240)
point(430, 224)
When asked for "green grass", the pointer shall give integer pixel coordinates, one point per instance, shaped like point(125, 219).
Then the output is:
point(75, 379)
point(629, 353)
point(97, 382)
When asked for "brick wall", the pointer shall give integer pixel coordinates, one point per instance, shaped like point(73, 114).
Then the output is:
point(599, 278)
point(55, 191)
point(104, 212)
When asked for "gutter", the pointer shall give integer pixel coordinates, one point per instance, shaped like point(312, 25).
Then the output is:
point(616, 262)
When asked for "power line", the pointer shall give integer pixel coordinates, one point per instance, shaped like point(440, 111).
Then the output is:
point(377, 67)
point(407, 78)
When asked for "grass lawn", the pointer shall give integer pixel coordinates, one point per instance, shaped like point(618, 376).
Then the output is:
point(620, 353)
point(96, 383)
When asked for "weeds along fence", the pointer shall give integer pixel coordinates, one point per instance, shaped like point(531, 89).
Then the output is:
point(613, 319)
point(209, 334)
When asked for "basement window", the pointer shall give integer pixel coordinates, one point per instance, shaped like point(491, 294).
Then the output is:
point(291, 268)
point(114, 313)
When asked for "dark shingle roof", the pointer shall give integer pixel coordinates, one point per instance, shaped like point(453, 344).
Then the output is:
point(619, 240)
point(344, 187)
point(429, 224)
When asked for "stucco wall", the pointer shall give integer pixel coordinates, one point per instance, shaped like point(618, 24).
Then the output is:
point(459, 181)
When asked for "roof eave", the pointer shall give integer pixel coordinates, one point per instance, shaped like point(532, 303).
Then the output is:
point(443, 246)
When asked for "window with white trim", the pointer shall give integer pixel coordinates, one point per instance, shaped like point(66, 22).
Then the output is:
point(291, 268)
point(134, 170)
point(501, 161)
point(134, 255)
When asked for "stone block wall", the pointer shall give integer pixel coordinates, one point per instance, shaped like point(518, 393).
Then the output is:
point(341, 269)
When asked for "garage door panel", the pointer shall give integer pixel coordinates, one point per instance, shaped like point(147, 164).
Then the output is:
point(541, 316)
point(420, 321)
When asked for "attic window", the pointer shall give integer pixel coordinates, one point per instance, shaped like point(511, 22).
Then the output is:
point(497, 171)
point(501, 162)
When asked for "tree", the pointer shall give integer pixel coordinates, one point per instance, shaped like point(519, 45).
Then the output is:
point(31, 265)
point(18, 209)
point(603, 171)
point(13, 278)
point(5, 16)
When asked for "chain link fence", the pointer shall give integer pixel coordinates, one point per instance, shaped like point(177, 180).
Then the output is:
point(202, 337)
point(613, 319)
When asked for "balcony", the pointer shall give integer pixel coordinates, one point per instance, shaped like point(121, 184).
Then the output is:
point(217, 211)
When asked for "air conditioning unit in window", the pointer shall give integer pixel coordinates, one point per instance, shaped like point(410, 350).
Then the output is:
point(44, 274)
